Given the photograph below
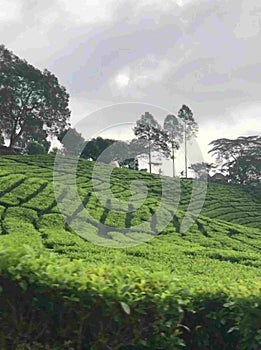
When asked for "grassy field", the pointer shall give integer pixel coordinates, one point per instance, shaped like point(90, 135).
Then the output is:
point(220, 253)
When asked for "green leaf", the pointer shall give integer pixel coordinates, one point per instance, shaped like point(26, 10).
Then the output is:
point(125, 307)
point(23, 285)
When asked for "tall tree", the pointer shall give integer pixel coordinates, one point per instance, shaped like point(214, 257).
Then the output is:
point(190, 129)
point(106, 150)
point(95, 147)
point(201, 170)
point(73, 142)
point(119, 151)
point(34, 148)
point(151, 138)
point(27, 95)
point(34, 133)
point(240, 158)
point(175, 131)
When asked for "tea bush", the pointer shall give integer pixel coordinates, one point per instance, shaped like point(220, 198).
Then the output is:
point(196, 290)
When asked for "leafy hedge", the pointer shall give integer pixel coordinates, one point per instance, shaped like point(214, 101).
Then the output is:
point(48, 302)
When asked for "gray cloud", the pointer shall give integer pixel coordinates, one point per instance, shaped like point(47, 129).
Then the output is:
point(205, 53)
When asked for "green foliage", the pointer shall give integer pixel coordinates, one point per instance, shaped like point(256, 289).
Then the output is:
point(105, 302)
point(130, 163)
point(59, 291)
point(35, 148)
point(240, 158)
point(118, 307)
point(175, 131)
point(150, 138)
point(190, 128)
point(201, 170)
point(190, 125)
point(31, 101)
point(33, 140)
point(72, 141)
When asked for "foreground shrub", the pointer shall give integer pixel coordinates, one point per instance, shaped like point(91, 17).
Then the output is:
point(55, 301)
point(52, 303)
point(223, 321)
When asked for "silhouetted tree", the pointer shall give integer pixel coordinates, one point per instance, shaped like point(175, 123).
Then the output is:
point(72, 141)
point(150, 138)
point(34, 133)
point(190, 129)
point(95, 147)
point(201, 170)
point(28, 95)
point(240, 158)
point(175, 131)
point(106, 150)
point(34, 148)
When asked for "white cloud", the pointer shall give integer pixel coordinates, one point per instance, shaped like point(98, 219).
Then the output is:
point(164, 5)
point(9, 10)
point(140, 75)
point(149, 71)
point(250, 20)
point(161, 52)
point(122, 80)
point(89, 11)
point(180, 3)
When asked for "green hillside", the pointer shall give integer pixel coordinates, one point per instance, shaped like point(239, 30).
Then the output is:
point(218, 257)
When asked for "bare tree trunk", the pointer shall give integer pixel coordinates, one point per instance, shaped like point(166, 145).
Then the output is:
point(12, 136)
point(12, 140)
point(186, 161)
point(173, 161)
point(149, 156)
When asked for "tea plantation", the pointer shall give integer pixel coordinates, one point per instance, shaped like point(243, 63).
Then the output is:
point(198, 289)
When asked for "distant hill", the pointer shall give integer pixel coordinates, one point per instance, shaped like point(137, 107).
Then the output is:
point(26, 192)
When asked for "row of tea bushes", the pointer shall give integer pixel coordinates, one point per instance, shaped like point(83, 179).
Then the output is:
point(62, 304)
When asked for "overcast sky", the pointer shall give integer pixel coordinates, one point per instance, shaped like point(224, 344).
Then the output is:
point(203, 53)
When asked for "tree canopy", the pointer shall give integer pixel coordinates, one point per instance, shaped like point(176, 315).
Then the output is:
point(240, 158)
point(201, 170)
point(151, 138)
point(106, 150)
point(72, 141)
point(190, 129)
point(35, 148)
point(28, 96)
point(34, 134)
point(175, 132)
point(95, 147)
